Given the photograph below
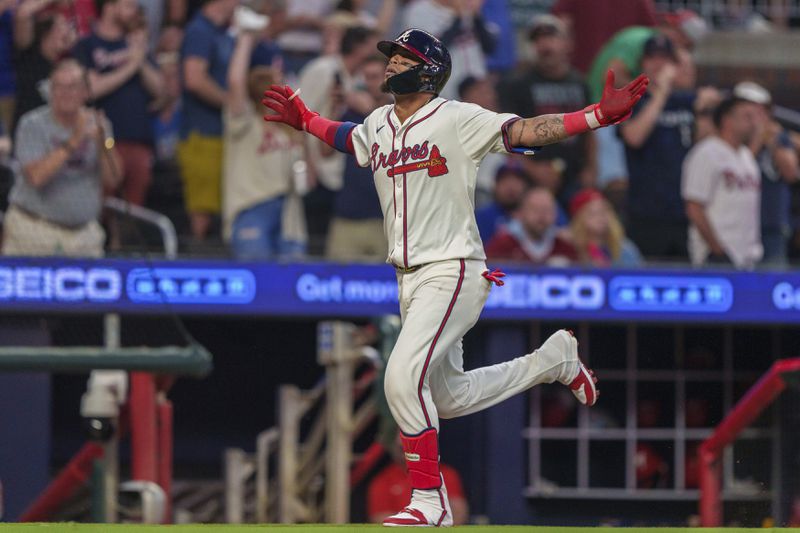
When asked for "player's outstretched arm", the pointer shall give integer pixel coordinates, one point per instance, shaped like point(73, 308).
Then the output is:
point(614, 107)
point(290, 109)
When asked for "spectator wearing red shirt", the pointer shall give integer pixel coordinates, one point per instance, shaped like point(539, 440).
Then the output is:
point(81, 14)
point(593, 22)
point(532, 236)
point(390, 491)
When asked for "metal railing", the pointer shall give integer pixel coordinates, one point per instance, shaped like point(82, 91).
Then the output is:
point(312, 444)
point(165, 226)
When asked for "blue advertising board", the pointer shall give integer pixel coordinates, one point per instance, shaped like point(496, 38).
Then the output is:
point(45, 285)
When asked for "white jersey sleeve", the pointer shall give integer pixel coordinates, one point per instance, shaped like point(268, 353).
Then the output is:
point(361, 144)
point(364, 136)
point(698, 178)
point(480, 131)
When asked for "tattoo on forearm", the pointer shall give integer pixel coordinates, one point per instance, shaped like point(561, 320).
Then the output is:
point(538, 131)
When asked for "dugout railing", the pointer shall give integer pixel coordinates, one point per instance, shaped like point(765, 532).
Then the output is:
point(301, 470)
point(761, 395)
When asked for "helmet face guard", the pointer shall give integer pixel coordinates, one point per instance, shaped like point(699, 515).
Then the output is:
point(407, 82)
point(431, 75)
point(418, 79)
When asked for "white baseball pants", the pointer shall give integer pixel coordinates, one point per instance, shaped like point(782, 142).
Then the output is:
point(425, 377)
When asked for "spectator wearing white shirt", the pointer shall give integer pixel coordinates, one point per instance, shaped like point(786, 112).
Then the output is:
point(721, 186)
point(460, 25)
point(326, 83)
point(302, 38)
point(258, 159)
point(349, 13)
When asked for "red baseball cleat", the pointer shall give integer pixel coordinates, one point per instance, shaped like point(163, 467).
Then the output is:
point(583, 386)
point(428, 508)
point(408, 517)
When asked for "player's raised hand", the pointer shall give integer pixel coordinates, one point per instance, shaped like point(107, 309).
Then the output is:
point(287, 106)
point(616, 105)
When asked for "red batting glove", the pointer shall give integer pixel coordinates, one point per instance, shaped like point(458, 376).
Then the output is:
point(615, 106)
point(292, 112)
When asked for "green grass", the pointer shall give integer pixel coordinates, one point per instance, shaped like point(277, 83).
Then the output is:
point(322, 528)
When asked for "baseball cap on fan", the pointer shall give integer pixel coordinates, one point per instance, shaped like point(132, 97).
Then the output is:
point(752, 92)
point(659, 45)
point(690, 24)
point(512, 168)
point(544, 25)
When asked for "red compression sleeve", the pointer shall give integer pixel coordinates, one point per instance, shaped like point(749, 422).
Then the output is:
point(336, 134)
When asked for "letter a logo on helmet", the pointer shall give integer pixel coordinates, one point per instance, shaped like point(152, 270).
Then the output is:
point(431, 75)
point(404, 36)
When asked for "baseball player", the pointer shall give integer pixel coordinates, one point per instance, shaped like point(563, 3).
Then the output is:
point(424, 152)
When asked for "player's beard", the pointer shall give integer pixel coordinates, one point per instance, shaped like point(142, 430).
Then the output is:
point(385, 88)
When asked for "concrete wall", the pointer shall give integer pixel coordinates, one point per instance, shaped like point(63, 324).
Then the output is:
point(773, 60)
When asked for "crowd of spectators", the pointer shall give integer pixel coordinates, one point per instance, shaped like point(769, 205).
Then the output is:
point(158, 102)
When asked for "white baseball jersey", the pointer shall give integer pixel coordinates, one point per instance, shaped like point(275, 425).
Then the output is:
point(728, 182)
point(425, 171)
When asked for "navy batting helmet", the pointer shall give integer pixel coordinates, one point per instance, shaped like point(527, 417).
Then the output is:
point(431, 75)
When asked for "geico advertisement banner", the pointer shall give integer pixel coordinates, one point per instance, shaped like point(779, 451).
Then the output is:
point(335, 290)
